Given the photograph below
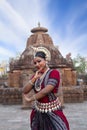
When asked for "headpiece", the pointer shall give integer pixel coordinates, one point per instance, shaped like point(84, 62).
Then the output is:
point(42, 52)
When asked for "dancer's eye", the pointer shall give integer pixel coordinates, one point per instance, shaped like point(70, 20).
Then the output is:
point(38, 61)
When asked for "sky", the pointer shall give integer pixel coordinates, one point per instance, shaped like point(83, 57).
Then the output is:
point(66, 21)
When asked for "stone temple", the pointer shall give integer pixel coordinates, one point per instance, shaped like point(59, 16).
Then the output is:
point(21, 69)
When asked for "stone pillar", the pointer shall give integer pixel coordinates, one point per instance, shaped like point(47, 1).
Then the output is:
point(74, 78)
point(14, 79)
point(60, 90)
point(67, 77)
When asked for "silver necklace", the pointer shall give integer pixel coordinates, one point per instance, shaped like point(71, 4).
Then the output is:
point(39, 81)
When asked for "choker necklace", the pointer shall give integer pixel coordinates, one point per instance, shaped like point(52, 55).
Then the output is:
point(40, 80)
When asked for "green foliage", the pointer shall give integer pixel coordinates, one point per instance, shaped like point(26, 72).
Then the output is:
point(80, 64)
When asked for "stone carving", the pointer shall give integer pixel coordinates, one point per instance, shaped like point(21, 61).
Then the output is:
point(68, 57)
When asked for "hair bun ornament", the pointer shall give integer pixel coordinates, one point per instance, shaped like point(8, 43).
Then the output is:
point(43, 49)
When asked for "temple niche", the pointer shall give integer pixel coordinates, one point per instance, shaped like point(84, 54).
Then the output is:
point(21, 69)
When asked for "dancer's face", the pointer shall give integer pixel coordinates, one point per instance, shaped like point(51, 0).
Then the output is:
point(40, 63)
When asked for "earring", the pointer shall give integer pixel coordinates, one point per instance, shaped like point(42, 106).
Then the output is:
point(46, 64)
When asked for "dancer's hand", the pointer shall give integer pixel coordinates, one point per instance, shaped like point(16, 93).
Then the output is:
point(38, 73)
point(27, 98)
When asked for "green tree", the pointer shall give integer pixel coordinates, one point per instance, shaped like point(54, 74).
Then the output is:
point(80, 64)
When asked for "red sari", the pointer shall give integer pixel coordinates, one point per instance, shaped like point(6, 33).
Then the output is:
point(53, 118)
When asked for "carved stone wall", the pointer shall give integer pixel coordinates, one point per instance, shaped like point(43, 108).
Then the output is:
point(73, 94)
point(11, 96)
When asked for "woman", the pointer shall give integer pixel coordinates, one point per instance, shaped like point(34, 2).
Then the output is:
point(47, 113)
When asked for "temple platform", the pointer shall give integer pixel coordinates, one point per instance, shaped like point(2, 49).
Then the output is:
point(12, 117)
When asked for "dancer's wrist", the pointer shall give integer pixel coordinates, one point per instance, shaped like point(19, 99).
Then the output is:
point(33, 80)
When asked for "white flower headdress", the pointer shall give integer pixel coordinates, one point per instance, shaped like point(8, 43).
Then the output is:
point(43, 49)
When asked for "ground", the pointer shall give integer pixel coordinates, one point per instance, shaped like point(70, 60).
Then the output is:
point(14, 118)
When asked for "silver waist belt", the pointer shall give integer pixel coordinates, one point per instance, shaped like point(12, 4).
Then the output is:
point(48, 107)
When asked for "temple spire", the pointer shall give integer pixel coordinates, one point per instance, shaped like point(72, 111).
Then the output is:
point(39, 29)
point(38, 24)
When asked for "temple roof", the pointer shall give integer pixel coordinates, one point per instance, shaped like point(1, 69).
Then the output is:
point(39, 29)
point(37, 39)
